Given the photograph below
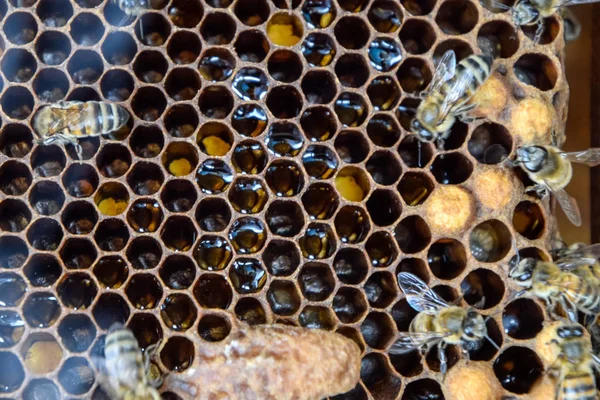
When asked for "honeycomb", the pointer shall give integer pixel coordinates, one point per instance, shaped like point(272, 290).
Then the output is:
point(267, 171)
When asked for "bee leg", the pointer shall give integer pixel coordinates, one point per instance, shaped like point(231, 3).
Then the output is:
point(443, 359)
point(539, 31)
point(569, 309)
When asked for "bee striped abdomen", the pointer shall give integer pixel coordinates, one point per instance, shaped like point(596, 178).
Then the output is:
point(123, 354)
point(480, 67)
point(587, 297)
point(578, 386)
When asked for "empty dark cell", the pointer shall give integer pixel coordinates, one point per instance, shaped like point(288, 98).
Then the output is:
point(111, 235)
point(218, 29)
point(111, 272)
point(178, 233)
point(358, 393)
point(116, 85)
point(53, 48)
point(50, 85)
point(378, 378)
point(461, 49)
point(320, 201)
point(146, 329)
point(45, 234)
point(47, 161)
point(352, 33)
point(522, 319)
point(216, 102)
point(152, 29)
point(352, 70)
point(550, 29)
point(41, 309)
point(213, 291)
point(17, 102)
point(457, 17)
point(284, 66)
point(528, 220)
point(252, 46)
point(414, 75)
point(284, 102)
point(149, 103)
point(415, 188)
point(18, 65)
point(213, 214)
point(351, 146)
point(182, 84)
point(118, 48)
point(315, 317)
point(281, 257)
point(178, 312)
point(409, 365)
point(145, 178)
point(381, 249)
point(76, 376)
point(78, 253)
point(179, 196)
point(418, 7)
point(383, 168)
point(417, 36)
point(41, 388)
point(177, 354)
point(181, 120)
point(319, 87)
point(85, 67)
point(381, 289)
point(12, 374)
point(14, 215)
point(16, 140)
point(414, 153)
point(490, 241)
point(86, 29)
point(144, 291)
point(77, 332)
point(79, 217)
point(54, 13)
point(185, 14)
point(447, 258)
point(383, 130)
point(20, 28)
point(184, 47)
point(283, 297)
point(147, 141)
point(377, 329)
point(403, 314)
point(482, 288)
point(316, 281)
point(252, 12)
point(517, 369)
point(423, 389)
point(385, 16)
point(412, 234)
point(110, 308)
point(42, 270)
point(451, 168)
point(490, 143)
point(150, 66)
point(178, 272)
point(15, 178)
point(498, 38)
point(213, 328)
point(349, 305)
point(250, 311)
point(384, 207)
point(350, 266)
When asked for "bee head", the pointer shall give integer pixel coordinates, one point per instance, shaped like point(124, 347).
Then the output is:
point(569, 331)
point(523, 272)
point(524, 13)
point(419, 129)
point(474, 325)
point(531, 157)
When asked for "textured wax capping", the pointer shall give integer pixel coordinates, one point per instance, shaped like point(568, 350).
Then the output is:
point(267, 171)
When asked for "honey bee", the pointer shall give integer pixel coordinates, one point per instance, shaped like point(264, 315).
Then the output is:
point(124, 372)
point(448, 96)
point(580, 259)
point(531, 12)
point(67, 121)
point(551, 171)
point(575, 365)
point(557, 282)
point(438, 323)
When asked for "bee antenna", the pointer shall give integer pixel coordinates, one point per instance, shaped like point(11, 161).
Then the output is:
point(491, 341)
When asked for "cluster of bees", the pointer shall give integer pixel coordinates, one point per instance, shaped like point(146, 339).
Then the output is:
point(569, 284)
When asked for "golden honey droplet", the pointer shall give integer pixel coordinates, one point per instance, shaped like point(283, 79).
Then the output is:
point(180, 167)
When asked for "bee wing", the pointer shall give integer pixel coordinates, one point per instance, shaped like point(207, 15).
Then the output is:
point(457, 91)
point(495, 4)
point(563, 3)
point(63, 119)
point(419, 295)
point(444, 71)
point(596, 360)
point(585, 256)
point(409, 341)
point(569, 206)
point(590, 157)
